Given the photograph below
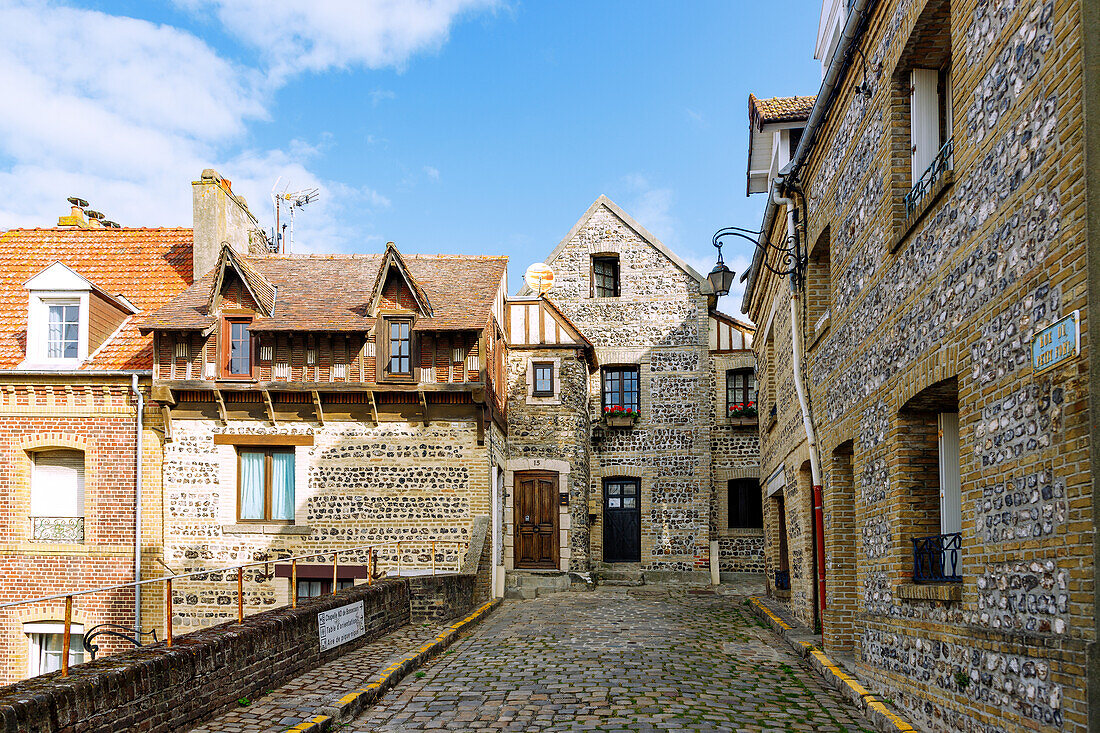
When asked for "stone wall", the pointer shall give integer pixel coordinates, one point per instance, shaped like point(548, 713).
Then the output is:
point(162, 689)
point(545, 433)
point(659, 323)
point(957, 298)
point(358, 484)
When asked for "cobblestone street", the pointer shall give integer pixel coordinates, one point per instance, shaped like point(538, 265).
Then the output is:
point(638, 659)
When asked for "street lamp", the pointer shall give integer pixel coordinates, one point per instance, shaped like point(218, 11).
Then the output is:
point(790, 260)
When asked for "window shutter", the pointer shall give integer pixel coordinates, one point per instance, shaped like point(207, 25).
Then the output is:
point(924, 119)
point(381, 351)
point(57, 488)
point(950, 479)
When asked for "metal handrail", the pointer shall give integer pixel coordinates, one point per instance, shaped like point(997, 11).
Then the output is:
point(372, 566)
point(943, 162)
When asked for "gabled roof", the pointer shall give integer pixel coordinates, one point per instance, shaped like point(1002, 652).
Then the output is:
point(392, 260)
point(147, 267)
point(60, 277)
point(605, 202)
point(262, 291)
point(779, 109)
point(334, 293)
point(743, 325)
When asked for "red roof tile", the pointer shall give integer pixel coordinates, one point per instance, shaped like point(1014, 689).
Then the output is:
point(334, 292)
point(147, 266)
point(779, 109)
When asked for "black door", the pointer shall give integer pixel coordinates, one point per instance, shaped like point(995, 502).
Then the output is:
point(622, 512)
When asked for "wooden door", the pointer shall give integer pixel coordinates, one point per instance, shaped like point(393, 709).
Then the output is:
point(536, 520)
point(622, 512)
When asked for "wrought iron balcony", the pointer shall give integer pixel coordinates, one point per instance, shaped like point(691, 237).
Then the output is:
point(57, 529)
point(943, 162)
point(782, 580)
point(936, 558)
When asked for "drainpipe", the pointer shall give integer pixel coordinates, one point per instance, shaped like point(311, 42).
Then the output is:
point(137, 502)
point(807, 420)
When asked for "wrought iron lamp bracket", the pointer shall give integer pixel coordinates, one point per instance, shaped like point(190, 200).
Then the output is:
point(790, 260)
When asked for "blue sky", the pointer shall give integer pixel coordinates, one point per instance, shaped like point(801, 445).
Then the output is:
point(465, 126)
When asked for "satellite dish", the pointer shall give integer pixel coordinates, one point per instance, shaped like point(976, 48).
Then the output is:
point(539, 277)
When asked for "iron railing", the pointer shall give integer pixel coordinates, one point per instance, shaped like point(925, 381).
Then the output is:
point(943, 162)
point(398, 563)
point(57, 529)
point(936, 558)
point(782, 580)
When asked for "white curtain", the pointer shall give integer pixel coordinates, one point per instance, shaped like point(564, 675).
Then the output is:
point(282, 485)
point(252, 485)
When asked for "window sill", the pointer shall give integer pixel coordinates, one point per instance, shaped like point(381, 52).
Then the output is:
point(910, 223)
point(742, 532)
point(620, 422)
point(772, 420)
point(258, 528)
point(946, 592)
point(819, 330)
point(741, 421)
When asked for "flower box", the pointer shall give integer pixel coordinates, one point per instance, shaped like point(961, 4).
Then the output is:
point(619, 417)
point(742, 410)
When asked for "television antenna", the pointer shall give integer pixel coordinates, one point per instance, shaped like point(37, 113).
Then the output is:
point(292, 201)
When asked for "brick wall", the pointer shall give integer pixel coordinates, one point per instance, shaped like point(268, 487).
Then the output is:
point(957, 293)
point(157, 688)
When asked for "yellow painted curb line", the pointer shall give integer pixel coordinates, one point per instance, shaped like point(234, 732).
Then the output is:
point(396, 671)
point(866, 697)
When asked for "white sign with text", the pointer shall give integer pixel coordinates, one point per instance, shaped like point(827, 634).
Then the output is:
point(340, 625)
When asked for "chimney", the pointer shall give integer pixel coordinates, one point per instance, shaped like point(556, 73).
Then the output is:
point(76, 214)
point(95, 219)
point(220, 216)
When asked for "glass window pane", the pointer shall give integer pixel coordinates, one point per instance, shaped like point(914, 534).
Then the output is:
point(252, 485)
point(282, 485)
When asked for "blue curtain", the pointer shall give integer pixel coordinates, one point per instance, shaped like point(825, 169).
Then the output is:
point(252, 485)
point(282, 485)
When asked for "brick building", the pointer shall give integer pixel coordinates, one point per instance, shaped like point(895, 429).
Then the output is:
point(72, 363)
point(925, 379)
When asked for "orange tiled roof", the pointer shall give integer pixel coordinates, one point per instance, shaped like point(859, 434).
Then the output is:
point(779, 109)
point(147, 266)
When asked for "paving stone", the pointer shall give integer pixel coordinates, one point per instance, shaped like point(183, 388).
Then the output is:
point(614, 660)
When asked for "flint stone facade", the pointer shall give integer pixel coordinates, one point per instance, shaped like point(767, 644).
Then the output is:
point(948, 301)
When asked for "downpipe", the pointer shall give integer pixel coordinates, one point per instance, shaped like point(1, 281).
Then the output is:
point(807, 420)
point(140, 428)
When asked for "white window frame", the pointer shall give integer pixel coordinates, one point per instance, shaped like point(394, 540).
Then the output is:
point(38, 327)
point(36, 631)
point(924, 120)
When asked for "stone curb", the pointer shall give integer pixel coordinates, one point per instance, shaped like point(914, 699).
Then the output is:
point(874, 708)
point(355, 701)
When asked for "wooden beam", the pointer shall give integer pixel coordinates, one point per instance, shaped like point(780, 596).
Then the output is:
point(200, 385)
point(166, 415)
point(424, 406)
point(373, 407)
point(481, 426)
point(163, 393)
point(263, 440)
point(270, 407)
point(221, 406)
point(318, 408)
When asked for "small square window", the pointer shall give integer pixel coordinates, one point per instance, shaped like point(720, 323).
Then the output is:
point(745, 510)
point(543, 378)
point(605, 276)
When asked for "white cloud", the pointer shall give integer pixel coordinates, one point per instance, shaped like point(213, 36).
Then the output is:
point(432, 172)
point(377, 96)
point(125, 112)
point(296, 37)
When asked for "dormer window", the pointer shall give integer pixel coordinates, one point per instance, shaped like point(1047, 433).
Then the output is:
point(68, 318)
point(237, 348)
point(398, 347)
point(63, 329)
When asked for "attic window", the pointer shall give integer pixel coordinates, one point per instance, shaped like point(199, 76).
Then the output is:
point(605, 276)
point(63, 329)
point(237, 347)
